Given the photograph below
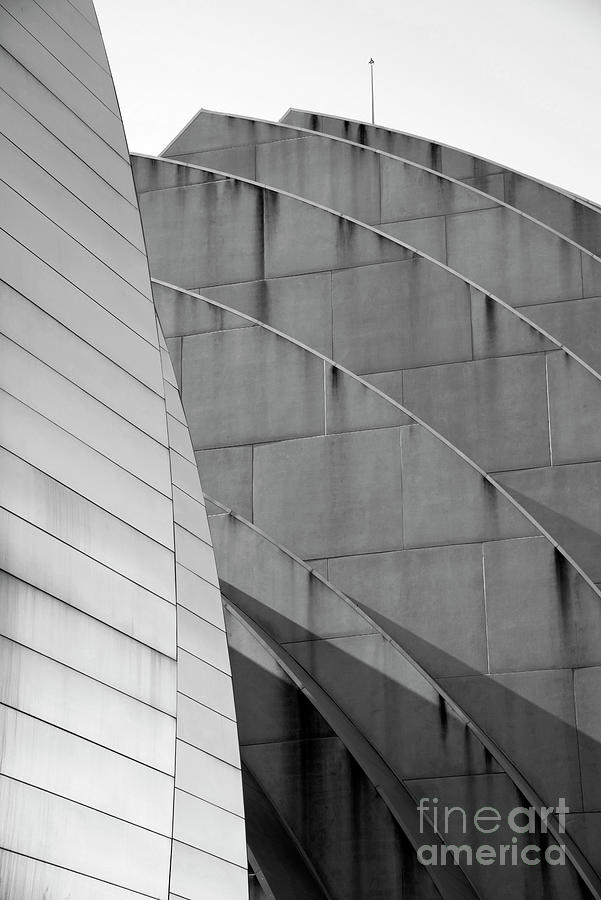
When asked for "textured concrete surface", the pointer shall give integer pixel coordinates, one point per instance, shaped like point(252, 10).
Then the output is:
point(447, 566)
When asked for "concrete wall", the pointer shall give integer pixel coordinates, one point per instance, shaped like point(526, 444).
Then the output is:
point(503, 623)
point(98, 510)
point(341, 651)
point(492, 243)
point(402, 525)
point(478, 373)
point(571, 216)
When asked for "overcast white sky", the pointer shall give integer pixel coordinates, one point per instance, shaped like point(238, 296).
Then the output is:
point(513, 80)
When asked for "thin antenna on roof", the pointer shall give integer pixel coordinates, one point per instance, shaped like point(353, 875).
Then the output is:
point(371, 69)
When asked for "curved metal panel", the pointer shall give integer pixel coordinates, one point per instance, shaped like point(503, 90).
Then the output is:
point(93, 527)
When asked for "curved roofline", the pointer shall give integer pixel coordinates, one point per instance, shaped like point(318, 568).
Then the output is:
point(419, 253)
point(441, 175)
point(416, 419)
point(578, 860)
point(554, 187)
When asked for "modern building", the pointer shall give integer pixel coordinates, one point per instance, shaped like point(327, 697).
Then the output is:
point(382, 356)
point(119, 762)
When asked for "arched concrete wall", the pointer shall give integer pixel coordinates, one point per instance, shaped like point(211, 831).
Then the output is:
point(572, 216)
point(97, 506)
point(335, 644)
point(456, 354)
point(408, 588)
point(497, 246)
point(306, 770)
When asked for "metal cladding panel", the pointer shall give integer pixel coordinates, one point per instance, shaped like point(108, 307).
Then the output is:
point(99, 500)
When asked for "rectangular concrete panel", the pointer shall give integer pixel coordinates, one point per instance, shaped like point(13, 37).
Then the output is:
point(412, 193)
point(182, 314)
point(213, 131)
point(233, 160)
point(302, 238)
point(339, 176)
point(513, 257)
point(576, 323)
point(390, 383)
point(575, 402)
point(392, 705)
point(300, 306)
point(399, 315)
point(152, 174)
point(459, 164)
point(226, 475)
point(333, 495)
point(497, 331)
point(430, 601)
point(562, 212)
point(564, 500)
point(591, 276)
point(531, 717)
point(204, 234)
point(495, 410)
point(446, 501)
point(259, 578)
point(251, 385)
point(352, 406)
point(489, 184)
point(541, 615)
point(427, 235)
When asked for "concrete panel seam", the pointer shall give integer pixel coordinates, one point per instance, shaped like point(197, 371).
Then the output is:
point(417, 420)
